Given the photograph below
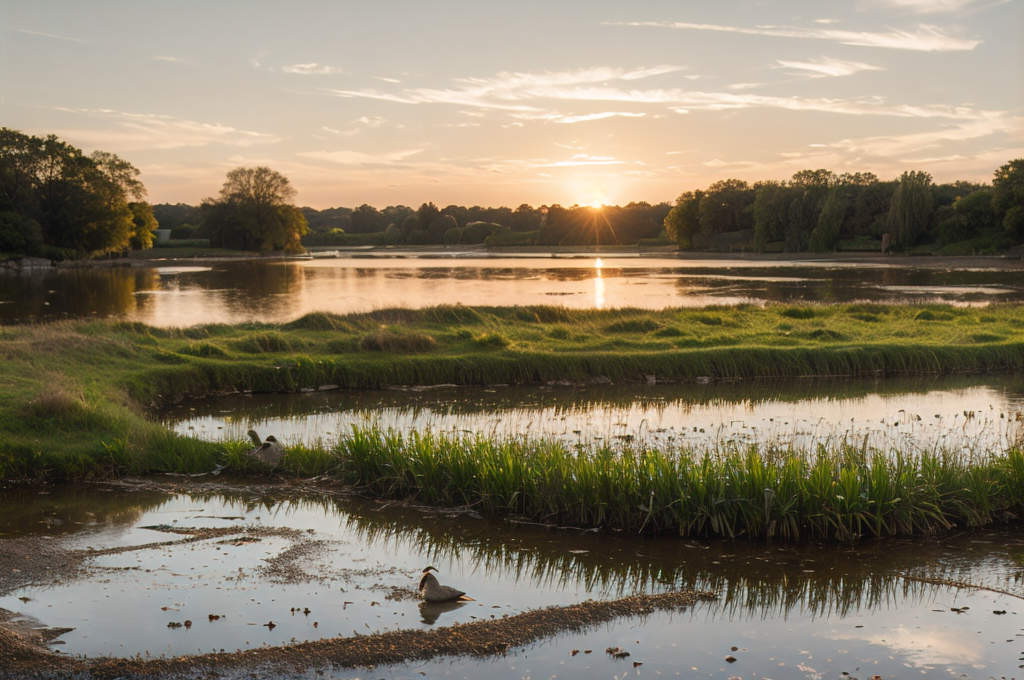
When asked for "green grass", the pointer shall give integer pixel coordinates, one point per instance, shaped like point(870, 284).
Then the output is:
point(77, 398)
point(840, 493)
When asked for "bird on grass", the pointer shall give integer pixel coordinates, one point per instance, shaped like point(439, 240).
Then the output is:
point(270, 452)
point(433, 591)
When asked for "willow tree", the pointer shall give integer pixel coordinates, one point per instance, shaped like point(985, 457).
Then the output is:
point(910, 209)
point(683, 221)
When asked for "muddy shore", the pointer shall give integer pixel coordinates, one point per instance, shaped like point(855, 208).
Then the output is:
point(42, 561)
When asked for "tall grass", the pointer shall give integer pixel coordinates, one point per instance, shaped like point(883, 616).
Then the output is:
point(840, 493)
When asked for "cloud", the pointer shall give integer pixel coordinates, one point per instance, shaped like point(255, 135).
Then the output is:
point(311, 69)
point(923, 6)
point(890, 145)
point(827, 67)
point(528, 96)
point(360, 158)
point(51, 35)
point(503, 90)
point(925, 38)
point(583, 159)
point(154, 131)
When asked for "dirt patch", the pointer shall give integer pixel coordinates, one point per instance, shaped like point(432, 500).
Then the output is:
point(477, 639)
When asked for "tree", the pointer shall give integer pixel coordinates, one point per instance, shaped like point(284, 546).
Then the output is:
point(683, 220)
point(145, 223)
point(724, 207)
point(771, 213)
point(1008, 197)
point(910, 208)
point(80, 203)
point(825, 236)
point(254, 212)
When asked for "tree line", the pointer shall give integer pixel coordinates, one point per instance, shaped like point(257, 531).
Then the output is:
point(820, 211)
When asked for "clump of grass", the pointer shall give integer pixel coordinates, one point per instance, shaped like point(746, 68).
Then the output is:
point(843, 493)
point(260, 342)
point(385, 340)
point(708, 319)
point(986, 337)
point(670, 332)
point(204, 349)
point(492, 341)
point(633, 326)
point(319, 321)
point(825, 334)
point(930, 315)
point(798, 313)
point(559, 333)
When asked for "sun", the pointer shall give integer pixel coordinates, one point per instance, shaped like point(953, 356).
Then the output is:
point(596, 204)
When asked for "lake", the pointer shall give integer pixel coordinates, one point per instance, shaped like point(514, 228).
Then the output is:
point(183, 293)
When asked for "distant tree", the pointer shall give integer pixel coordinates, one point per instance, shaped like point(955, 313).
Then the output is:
point(392, 234)
point(771, 213)
point(723, 207)
point(144, 223)
point(683, 220)
point(910, 208)
point(820, 179)
point(367, 220)
point(427, 213)
point(825, 236)
point(254, 212)
point(1008, 197)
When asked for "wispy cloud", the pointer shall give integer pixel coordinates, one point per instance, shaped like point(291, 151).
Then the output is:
point(922, 6)
point(360, 158)
point(51, 35)
point(173, 60)
point(891, 145)
point(503, 90)
point(583, 159)
point(528, 96)
point(826, 67)
point(154, 131)
point(312, 69)
point(924, 38)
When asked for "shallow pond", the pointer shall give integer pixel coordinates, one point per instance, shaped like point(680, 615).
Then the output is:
point(976, 413)
point(790, 611)
point(184, 293)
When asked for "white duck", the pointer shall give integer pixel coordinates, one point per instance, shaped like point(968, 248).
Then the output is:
point(433, 591)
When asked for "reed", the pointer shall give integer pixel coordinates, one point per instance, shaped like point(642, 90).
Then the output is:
point(842, 493)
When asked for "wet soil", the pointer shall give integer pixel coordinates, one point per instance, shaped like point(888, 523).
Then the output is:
point(23, 651)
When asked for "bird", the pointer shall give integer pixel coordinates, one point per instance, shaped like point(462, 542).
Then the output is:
point(432, 591)
point(270, 452)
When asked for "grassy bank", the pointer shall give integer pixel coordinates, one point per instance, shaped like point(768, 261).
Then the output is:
point(77, 398)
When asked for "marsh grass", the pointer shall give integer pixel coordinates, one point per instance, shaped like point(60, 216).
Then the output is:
point(76, 397)
point(842, 493)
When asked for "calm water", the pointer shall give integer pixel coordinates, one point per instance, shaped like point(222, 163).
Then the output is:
point(182, 293)
point(793, 612)
point(976, 413)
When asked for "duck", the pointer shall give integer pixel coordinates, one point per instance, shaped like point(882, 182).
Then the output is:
point(433, 591)
point(270, 451)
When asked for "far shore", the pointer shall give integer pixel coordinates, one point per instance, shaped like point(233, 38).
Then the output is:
point(1011, 260)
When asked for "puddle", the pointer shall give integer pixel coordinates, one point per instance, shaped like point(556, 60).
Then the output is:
point(979, 413)
point(261, 556)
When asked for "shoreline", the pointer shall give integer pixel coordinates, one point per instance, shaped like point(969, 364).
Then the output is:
point(1006, 261)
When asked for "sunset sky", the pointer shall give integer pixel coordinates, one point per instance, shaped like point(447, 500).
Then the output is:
point(518, 102)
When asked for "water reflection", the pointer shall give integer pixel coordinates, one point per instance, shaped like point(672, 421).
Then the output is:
point(184, 293)
point(979, 413)
point(358, 552)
